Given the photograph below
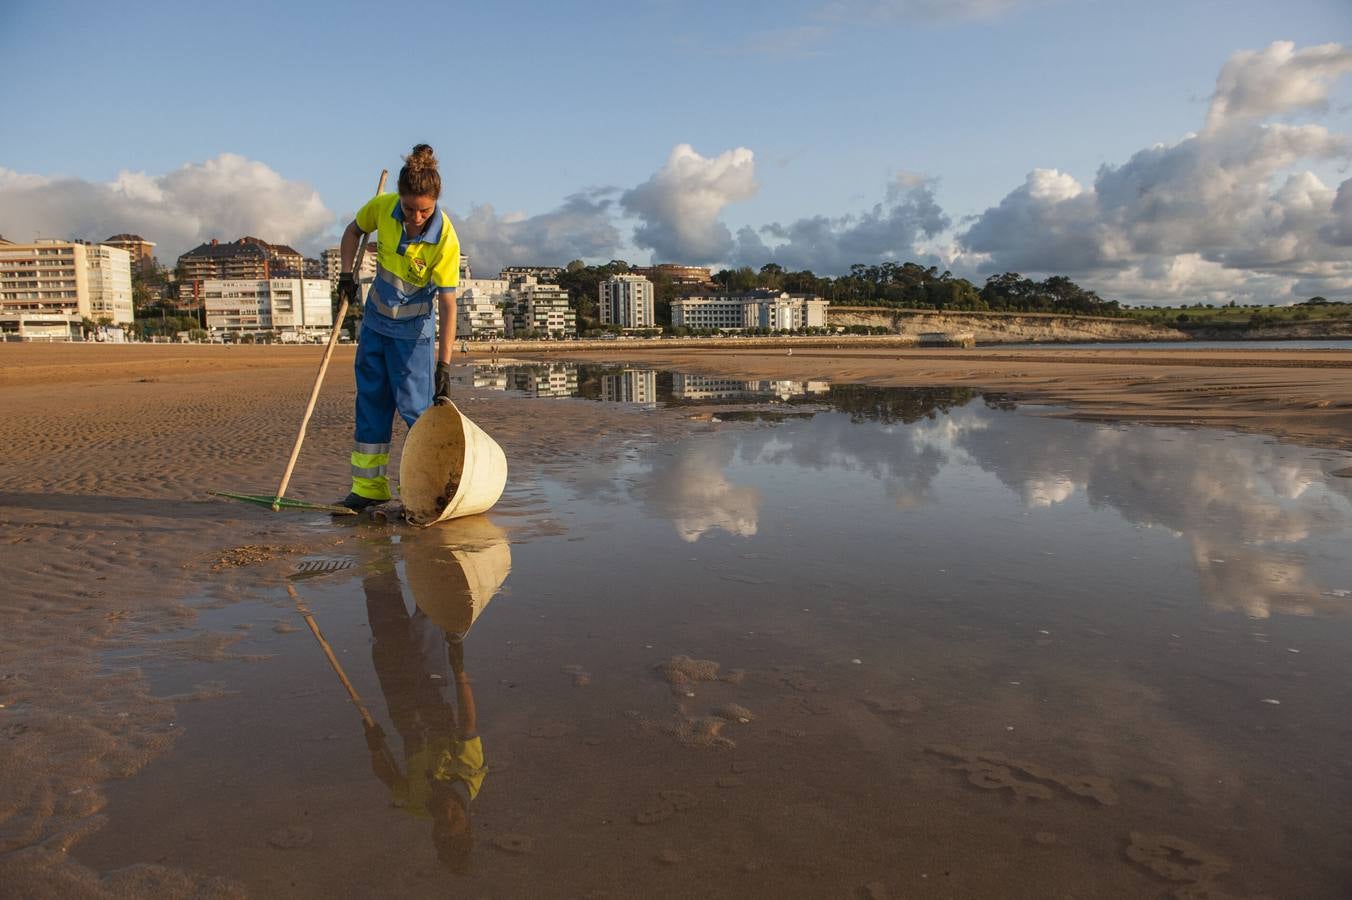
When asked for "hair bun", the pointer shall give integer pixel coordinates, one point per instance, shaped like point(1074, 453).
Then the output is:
point(422, 157)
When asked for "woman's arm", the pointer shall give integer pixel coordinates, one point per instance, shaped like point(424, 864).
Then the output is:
point(348, 247)
point(446, 335)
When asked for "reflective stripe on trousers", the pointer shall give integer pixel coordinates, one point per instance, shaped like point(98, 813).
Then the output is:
point(370, 463)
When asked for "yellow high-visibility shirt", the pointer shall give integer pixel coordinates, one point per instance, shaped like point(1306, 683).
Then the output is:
point(410, 272)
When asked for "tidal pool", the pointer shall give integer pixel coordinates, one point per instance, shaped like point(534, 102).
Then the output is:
point(840, 641)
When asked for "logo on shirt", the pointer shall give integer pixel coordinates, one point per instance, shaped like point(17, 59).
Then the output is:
point(419, 265)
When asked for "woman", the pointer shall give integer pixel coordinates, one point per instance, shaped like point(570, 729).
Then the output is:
point(417, 270)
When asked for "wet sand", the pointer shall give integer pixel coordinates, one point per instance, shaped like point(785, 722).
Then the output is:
point(111, 548)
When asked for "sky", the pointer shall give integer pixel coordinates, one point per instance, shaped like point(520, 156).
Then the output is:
point(1157, 152)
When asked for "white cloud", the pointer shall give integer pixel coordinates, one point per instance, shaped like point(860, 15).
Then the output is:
point(680, 205)
point(1255, 84)
point(1232, 197)
point(225, 197)
point(579, 229)
point(826, 245)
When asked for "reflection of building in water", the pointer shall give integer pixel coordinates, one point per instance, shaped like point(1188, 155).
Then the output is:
point(554, 380)
point(630, 386)
point(702, 387)
point(492, 377)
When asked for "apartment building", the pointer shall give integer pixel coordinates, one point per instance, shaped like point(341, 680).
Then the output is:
point(48, 287)
point(331, 262)
point(247, 259)
point(760, 309)
point(627, 301)
point(678, 274)
point(522, 273)
point(142, 251)
point(479, 314)
point(251, 305)
point(108, 275)
point(542, 309)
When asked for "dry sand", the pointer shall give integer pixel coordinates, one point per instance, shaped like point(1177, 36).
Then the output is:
point(107, 529)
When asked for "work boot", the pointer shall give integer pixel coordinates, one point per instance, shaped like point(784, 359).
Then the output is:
point(358, 503)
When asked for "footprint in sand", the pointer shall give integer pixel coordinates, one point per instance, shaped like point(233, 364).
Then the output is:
point(581, 677)
point(514, 843)
point(667, 804)
point(291, 837)
point(550, 730)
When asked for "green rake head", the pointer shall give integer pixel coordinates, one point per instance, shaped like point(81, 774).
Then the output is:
point(279, 503)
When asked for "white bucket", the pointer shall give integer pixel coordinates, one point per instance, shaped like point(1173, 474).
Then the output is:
point(449, 468)
point(453, 571)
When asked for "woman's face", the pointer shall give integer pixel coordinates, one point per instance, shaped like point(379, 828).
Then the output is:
point(417, 211)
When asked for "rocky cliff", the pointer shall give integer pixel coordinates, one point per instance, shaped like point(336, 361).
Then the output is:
point(994, 328)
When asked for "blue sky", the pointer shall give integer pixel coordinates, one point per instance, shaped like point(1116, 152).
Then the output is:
point(530, 103)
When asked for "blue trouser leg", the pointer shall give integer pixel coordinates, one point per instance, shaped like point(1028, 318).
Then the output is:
point(410, 367)
point(391, 374)
point(375, 419)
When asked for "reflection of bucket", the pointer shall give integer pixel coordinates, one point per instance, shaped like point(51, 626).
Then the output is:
point(449, 467)
point(453, 571)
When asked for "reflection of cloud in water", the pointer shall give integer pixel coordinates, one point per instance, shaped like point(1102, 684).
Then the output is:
point(1046, 491)
point(905, 458)
point(1228, 497)
point(692, 491)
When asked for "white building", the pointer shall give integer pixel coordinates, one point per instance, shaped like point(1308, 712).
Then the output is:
point(734, 312)
point(109, 278)
point(331, 261)
point(540, 308)
point(296, 305)
point(478, 313)
point(627, 301)
point(49, 286)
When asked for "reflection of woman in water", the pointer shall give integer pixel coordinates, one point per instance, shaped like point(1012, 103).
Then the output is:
point(417, 660)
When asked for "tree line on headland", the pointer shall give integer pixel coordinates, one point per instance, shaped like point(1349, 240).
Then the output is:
point(899, 285)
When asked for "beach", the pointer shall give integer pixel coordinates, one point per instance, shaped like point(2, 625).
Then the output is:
point(114, 551)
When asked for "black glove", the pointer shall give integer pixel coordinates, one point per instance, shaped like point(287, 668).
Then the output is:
point(347, 288)
point(441, 393)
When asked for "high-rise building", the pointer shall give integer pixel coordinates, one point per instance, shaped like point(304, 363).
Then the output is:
point(141, 250)
point(478, 303)
point(541, 309)
point(298, 305)
point(109, 278)
point(627, 301)
point(331, 261)
point(48, 287)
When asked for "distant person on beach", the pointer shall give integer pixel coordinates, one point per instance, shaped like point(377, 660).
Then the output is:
point(417, 661)
point(417, 272)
